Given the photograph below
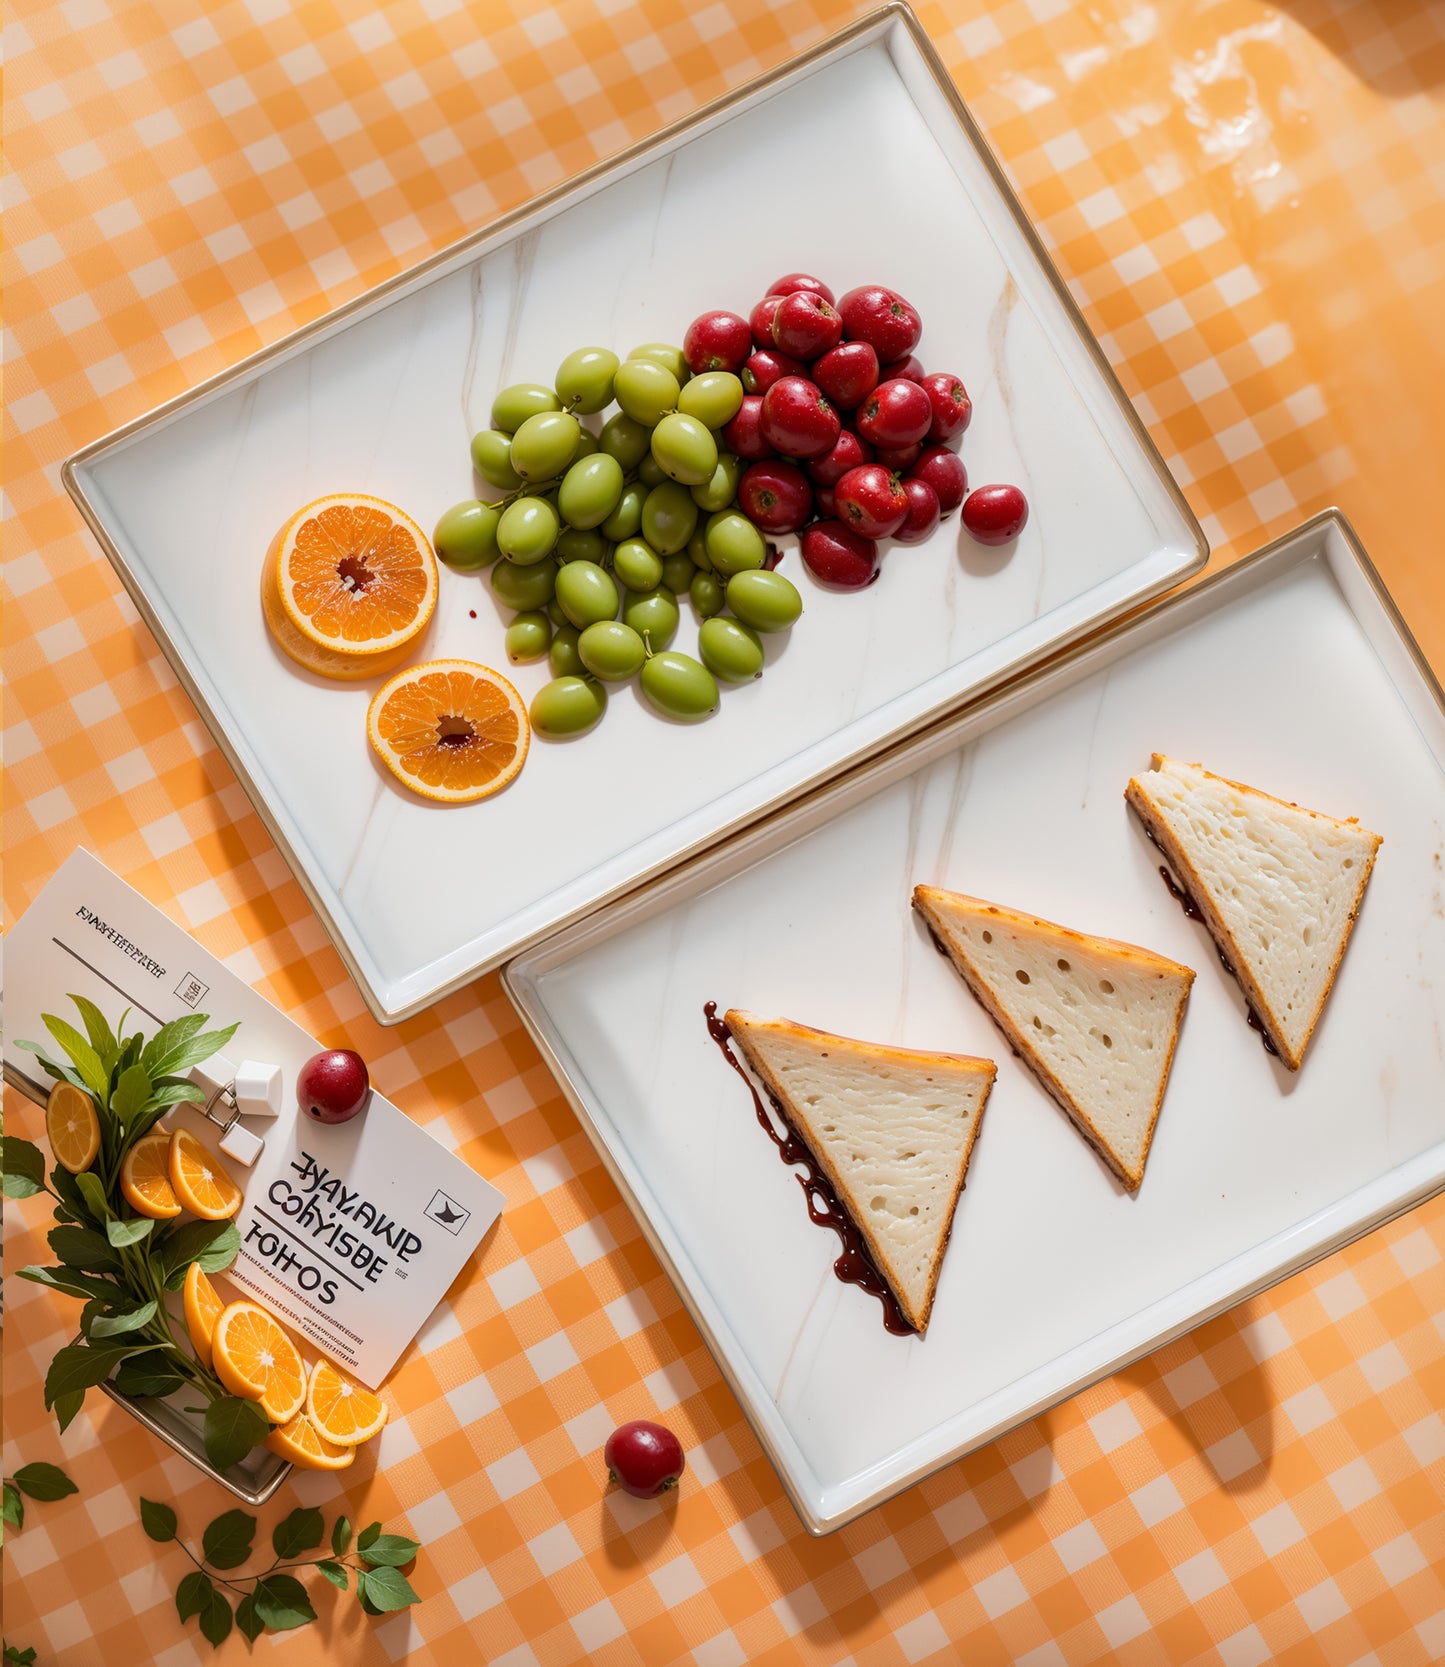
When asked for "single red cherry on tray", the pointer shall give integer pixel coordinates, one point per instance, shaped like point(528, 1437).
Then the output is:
point(790, 283)
point(848, 452)
point(717, 341)
point(797, 421)
point(806, 326)
point(882, 318)
point(944, 471)
point(896, 413)
point(775, 496)
point(760, 321)
point(995, 514)
point(333, 1086)
point(951, 407)
point(898, 458)
point(767, 366)
point(838, 556)
point(847, 373)
point(923, 512)
point(743, 436)
point(871, 501)
point(909, 369)
point(644, 1459)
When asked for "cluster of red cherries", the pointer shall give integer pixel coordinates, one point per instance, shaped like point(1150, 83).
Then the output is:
point(889, 470)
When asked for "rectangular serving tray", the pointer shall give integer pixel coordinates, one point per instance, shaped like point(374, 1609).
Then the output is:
point(1292, 671)
point(383, 395)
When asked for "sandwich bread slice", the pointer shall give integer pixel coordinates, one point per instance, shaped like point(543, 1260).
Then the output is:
point(1094, 1020)
point(891, 1128)
point(1279, 887)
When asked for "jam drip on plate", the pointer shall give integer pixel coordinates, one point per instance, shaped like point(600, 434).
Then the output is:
point(854, 1266)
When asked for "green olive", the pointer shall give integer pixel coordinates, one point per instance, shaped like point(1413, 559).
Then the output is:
point(766, 601)
point(679, 686)
point(730, 649)
point(466, 536)
point(568, 706)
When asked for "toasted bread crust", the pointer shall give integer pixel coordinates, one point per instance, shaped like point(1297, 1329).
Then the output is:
point(1137, 796)
point(1022, 1045)
point(739, 1023)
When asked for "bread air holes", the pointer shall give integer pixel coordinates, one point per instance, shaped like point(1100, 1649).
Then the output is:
point(988, 937)
point(877, 1203)
point(1063, 965)
point(1101, 1036)
point(1106, 987)
point(1022, 976)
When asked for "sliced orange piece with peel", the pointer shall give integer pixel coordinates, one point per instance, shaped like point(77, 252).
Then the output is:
point(72, 1127)
point(355, 574)
point(145, 1178)
point(255, 1358)
point(306, 1448)
point(327, 662)
point(451, 730)
point(202, 1308)
point(341, 1409)
point(201, 1181)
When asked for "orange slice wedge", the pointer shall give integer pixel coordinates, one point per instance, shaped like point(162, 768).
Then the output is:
point(306, 1449)
point(327, 662)
point(340, 1408)
point(355, 574)
point(450, 730)
point(145, 1178)
point(256, 1359)
point(200, 1180)
point(72, 1127)
point(202, 1308)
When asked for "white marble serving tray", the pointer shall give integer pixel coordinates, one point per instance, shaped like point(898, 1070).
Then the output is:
point(384, 395)
point(1292, 672)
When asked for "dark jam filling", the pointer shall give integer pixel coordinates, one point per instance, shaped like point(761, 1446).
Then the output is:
point(854, 1266)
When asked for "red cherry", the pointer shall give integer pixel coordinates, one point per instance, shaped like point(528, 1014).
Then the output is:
point(882, 318)
point(796, 420)
point(717, 341)
point(775, 496)
point(766, 366)
point(899, 458)
point(951, 407)
point(910, 369)
point(995, 514)
point(923, 512)
point(644, 1459)
point(944, 471)
point(847, 454)
point(333, 1086)
point(847, 373)
point(792, 282)
point(806, 326)
point(760, 320)
point(823, 505)
point(896, 413)
point(743, 436)
point(838, 556)
point(870, 501)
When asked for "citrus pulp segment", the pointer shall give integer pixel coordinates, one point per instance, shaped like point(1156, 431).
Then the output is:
point(309, 655)
point(202, 1308)
point(72, 1127)
point(300, 1442)
point(341, 1409)
point(145, 1178)
point(200, 1180)
point(450, 730)
point(255, 1358)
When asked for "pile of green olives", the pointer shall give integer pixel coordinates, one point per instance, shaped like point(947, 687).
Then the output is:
point(599, 535)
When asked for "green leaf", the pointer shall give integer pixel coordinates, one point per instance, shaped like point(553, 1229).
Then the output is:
point(43, 1481)
point(13, 1510)
point(192, 1594)
point(247, 1620)
point(113, 1324)
point(149, 1374)
point(173, 1094)
point(281, 1602)
point(168, 1053)
point(341, 1535)
point(24, 1165)
point(159, 1521)
point(216, 1619)
point(362, 1598)
point(84, 1285)
point(102, 1037)
point(92, 1190)
point(84, 1057)
point(368, 1536)
point(333, 1572)
point(131, 1093)
point(389, 1550)
point(297, 1532)
point(131, 1231)
point(19, 1658)
point(167, 1039)
point(388, 1589)
point(77, 1367)
point(226, 1542)
point(66, 1407)
point(232, 1428)
point(211, 1243)
point(84, 1248)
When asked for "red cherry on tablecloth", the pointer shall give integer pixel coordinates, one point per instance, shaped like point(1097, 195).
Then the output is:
point(333, 1086)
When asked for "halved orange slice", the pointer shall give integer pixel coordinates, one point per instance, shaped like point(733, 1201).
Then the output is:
point(256, 1359)
point(346, 668)
point(355, 574)
point(202, 1308)
point(200, 1179)
point(450, 729)
point(145, 1178)
point(72, 1127)
point(300, 1442)
point(340, 1408)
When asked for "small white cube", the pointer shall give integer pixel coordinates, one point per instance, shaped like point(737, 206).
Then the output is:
point(258, 1089)
point(239, 1143)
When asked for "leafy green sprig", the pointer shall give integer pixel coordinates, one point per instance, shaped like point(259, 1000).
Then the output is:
point(120, 1264)
point(43, 1482)
point(273, 1597)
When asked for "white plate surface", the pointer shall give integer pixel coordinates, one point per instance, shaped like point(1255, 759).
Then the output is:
point(1289, 676)
point(385, 401)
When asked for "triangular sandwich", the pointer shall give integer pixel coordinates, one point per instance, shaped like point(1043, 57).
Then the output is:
point(1278, 887)
point(891, 1128)
point(1094, 1020)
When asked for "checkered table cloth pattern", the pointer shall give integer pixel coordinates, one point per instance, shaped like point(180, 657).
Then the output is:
point(1249, 204)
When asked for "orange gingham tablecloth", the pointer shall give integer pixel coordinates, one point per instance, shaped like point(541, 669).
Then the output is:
point(1249, 204)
